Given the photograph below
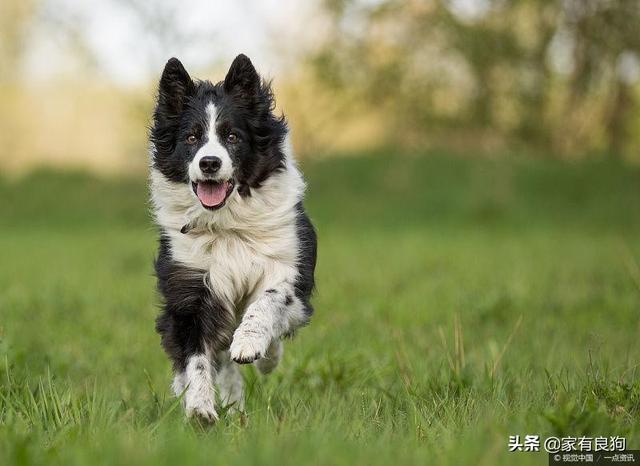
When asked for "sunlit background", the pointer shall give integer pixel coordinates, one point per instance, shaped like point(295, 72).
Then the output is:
point(479, 78)
point(473, 171)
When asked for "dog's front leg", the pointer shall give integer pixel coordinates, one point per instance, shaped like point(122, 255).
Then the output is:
point(275, 313)
point(192, 323)
point(197, 383)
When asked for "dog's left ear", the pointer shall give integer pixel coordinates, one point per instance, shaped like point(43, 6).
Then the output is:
point(242, 77)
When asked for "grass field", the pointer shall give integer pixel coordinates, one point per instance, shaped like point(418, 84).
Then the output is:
point(459, 301)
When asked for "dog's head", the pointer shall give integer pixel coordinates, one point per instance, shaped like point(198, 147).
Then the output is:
point(217, 138)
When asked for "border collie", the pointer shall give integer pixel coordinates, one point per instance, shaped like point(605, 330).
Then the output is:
point(237, 251)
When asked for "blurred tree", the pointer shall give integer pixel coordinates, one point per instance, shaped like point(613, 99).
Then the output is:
point(162, 33)
point(488, 71)
point(603, 34)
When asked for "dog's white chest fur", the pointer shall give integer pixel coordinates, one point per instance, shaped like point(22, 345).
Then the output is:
point(240, 264)
point(246, 246)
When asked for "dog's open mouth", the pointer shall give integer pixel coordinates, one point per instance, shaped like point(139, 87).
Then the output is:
point(212, 194)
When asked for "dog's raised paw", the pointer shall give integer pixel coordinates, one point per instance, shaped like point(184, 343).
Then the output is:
point(246, 347)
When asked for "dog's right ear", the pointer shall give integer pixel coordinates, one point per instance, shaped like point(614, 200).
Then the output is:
point(175, 86)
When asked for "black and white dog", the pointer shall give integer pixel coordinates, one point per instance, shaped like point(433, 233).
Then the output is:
point(237, 250)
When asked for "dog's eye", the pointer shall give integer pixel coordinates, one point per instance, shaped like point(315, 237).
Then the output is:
point(232, 138)
point(191, 139)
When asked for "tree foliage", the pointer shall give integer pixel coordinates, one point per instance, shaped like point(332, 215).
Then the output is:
point(558, 76)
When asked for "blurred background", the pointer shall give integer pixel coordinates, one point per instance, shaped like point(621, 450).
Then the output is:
point(557, 79)
point(473, 172)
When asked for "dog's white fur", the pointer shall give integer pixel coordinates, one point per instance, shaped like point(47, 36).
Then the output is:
point(246, 247)
point(199, 396)
point(211, 148)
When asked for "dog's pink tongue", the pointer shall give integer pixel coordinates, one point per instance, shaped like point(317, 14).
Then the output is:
point(211, 194)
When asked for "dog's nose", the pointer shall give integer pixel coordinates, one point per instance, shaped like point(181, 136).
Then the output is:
point(209, 165)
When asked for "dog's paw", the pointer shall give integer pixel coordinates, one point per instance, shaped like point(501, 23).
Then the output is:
point(204, 412)
point(272, 357)
point(247, 346)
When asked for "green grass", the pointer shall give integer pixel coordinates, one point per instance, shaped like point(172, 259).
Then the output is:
point(459, 301)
